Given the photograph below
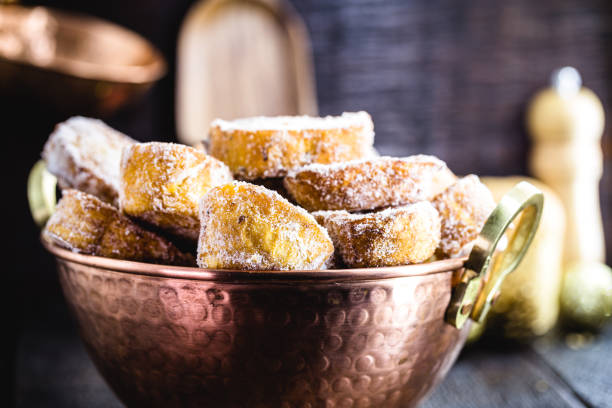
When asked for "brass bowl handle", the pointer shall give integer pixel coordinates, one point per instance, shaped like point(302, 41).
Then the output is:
point(487, 265)
point(41, 193)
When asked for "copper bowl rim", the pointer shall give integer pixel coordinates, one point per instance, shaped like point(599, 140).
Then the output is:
point(149, 71)
point(226, 275)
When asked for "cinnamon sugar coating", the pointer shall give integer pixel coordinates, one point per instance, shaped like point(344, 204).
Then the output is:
point(83, 223)
point(464, 207)
point(394, 236)
point(84, 154)
point(245, 226)
point(368, 184)
point(264, 147)
point(162, 183)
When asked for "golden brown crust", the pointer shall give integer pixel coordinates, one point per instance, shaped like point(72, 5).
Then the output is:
point(270, 147)
point(369, 184)
point(84, 154)
point(162, 183)
point(464, 207)
point(85, 224)
point(395, 236)
point(245, 226)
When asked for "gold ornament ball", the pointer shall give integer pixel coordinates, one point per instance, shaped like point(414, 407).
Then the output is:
point(586, 296)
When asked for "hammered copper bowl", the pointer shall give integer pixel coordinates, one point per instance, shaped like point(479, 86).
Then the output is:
point(378, 337)
point(171, 336)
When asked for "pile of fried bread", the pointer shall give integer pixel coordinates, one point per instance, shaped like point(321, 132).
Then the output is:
point(270, 193)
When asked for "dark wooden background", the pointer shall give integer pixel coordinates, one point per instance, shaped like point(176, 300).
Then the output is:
point(445, 77)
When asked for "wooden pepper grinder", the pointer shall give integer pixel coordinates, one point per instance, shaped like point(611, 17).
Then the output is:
point(566, 123)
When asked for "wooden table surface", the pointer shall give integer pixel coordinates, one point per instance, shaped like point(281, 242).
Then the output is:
point(53, 370)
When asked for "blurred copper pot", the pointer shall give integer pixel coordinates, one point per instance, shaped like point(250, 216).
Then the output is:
point(375, 337)
point(73, 63)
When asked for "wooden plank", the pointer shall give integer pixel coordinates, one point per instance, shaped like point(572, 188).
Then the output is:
point(58, 372)
point(587, 368)
point(497, 378)
point(53, 370)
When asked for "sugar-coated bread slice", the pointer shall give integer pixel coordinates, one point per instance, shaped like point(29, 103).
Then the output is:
point(368, 184)
point(464, 207)
point(162, 183)
point(263, 147)
point(394, 236)
point(84, 154)
point(83, 223)
point(245, 226)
